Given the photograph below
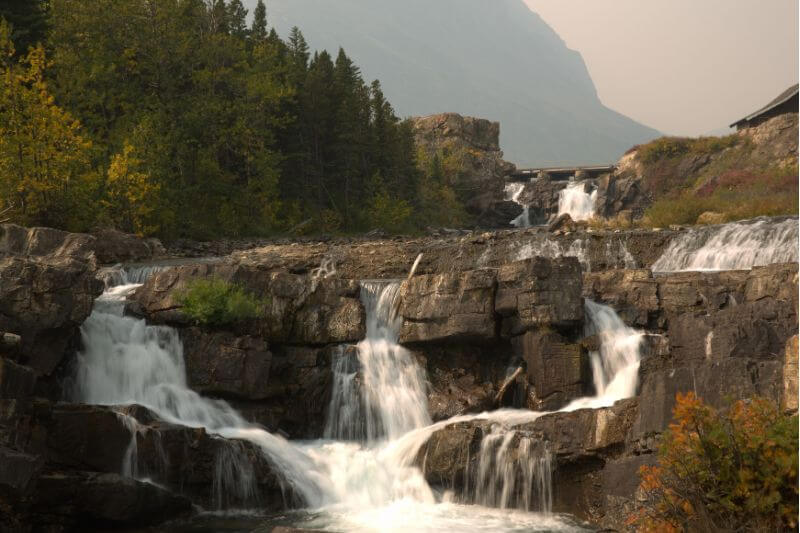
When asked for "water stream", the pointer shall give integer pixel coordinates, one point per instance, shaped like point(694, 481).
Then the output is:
point(734, 246)
point(576, 202)
point(361, 476)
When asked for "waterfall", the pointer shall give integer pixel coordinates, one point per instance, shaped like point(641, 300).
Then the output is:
point(513, 192)
point(735, 246)
point(511, 469)
point(125, 361)
point(362, 476)
point(615, 367)
point(576, 202)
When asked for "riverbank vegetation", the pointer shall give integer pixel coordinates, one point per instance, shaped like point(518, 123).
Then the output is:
point(180, 118)
point(712, 180)
point(729, 470)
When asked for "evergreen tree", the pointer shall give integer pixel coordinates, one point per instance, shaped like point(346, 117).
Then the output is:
point(28, 19)
point(258, 31)
point(237, 19)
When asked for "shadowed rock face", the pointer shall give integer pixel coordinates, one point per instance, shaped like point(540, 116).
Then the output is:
point(491, 329)
point(47, 288)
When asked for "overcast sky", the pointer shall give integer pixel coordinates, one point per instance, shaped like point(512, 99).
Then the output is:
point(684, 67)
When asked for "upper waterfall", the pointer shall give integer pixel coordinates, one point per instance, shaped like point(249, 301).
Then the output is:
point(734, 246)
point(576, 202)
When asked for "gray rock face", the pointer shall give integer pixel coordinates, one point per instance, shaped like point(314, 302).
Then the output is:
point(47, 288)
point(539, 292)
point(558, 370)
point(476, 142)
point(300, 310)
point(452, 306)
point(220, 363)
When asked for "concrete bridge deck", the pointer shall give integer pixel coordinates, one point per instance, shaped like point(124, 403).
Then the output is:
point(560, 173)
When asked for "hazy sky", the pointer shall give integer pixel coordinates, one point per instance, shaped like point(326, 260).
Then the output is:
point(682, 66)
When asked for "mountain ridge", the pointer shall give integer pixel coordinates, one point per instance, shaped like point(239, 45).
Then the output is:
point(497, 60)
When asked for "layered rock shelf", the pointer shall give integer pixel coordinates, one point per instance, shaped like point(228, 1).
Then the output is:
point(494, 319)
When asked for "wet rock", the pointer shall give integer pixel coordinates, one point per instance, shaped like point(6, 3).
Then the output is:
point(632, 293)
point(93, 500)
point(10, 345)
point(221, 363)
point(16, 381)
point(465, 378)
point(450, 453)
point(85, 437)
point(300, 310)
point(538, 292)
point(562, 223)
point(47, 288)
point(499, 215)
point(558, 370)
point(451, 306)
point(18, 472)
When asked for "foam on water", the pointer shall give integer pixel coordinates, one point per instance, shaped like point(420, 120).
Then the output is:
point(513, 192)
point(735, 246)
point(362, 477)
point(576, 202)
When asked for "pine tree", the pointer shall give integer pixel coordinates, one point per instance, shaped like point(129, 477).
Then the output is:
point(237, 19)
point(259, 27)
point(28, 19)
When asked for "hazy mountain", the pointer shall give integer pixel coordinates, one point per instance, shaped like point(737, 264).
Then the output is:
point(487, 58)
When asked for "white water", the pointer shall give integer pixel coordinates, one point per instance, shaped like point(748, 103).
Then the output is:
point(735, 246)
point(513, 192)
point(365, 480)
point(576, 202)
point(616, 254)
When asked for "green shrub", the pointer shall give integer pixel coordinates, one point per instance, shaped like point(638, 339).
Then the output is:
point(215, 302)
point(728, 470)
point(672, 147)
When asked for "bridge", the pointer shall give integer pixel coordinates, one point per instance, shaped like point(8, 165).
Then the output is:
point(560, 173)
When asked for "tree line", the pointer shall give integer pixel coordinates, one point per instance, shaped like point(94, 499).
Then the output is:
point(187, 118)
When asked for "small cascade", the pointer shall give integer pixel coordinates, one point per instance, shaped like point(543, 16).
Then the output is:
point(513, 192)
point(128, 274)
point(130, 466)
point(576, 202)
point(553, 250)
point(125, 361)
point(514, 472)
point(384, 394)
point(235, 483)
point(615, 367)
point(734, 246)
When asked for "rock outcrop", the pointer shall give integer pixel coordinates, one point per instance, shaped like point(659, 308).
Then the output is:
point(47, 289)
point(475, 145)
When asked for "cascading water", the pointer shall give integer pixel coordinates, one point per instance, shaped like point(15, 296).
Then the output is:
point(125, 361)
point(513, 192)
point(735, 246)
point(384, 395)
point(576, 202)
point(361, 477)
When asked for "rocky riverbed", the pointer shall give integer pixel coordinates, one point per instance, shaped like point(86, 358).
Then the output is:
point(493, 321)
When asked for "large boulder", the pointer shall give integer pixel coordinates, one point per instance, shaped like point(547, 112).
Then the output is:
point(221, 363)
point(47, 289)
point(113, 246)
point(475, 144)
point(450, 306)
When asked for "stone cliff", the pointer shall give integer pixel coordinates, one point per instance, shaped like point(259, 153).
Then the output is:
point(495, 319)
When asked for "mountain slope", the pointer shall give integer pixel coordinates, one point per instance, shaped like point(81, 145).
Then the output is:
point(492, 59)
